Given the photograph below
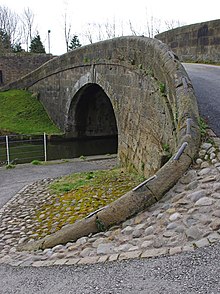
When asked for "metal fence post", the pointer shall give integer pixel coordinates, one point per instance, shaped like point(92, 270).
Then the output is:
point(45, 147)
point(7, 150)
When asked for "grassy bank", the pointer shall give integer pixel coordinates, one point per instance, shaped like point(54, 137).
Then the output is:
point(22, 113)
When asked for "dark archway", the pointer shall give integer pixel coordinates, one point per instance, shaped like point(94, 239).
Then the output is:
point(92, 121)
point(94, 115)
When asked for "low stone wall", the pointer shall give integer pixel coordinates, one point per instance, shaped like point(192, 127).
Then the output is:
point(195, 43)
point(15, 65)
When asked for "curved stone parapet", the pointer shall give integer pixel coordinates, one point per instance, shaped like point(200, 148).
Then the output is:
point(155, 110)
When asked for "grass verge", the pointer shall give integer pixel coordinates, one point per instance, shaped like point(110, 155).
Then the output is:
point(22, 113)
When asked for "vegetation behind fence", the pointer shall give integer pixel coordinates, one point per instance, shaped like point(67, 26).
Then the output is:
point(23, 148)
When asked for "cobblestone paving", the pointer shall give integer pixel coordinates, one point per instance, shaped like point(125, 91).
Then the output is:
point(188, 217)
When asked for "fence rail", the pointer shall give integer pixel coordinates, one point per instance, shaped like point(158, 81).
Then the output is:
point(22, 148)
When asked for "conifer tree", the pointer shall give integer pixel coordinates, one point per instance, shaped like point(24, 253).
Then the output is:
point(74, 43)
point(36, 45)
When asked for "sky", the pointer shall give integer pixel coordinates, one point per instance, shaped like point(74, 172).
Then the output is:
point(91, 16)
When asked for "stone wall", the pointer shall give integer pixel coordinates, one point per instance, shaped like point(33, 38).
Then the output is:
point(15, 65)
point(195, 43)
point(147, 86)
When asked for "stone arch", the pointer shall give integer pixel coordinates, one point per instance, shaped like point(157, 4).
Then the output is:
point(91, 113)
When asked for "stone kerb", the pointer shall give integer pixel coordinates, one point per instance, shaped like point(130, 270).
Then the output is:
point(183, 108)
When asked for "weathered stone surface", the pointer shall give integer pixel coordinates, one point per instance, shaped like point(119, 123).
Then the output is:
point(188, 177)
point(149, 230)
point(16, 65)
point(154, 252)
point(204, 201)
point(171, 226)
point(195, 196)
point(202, 242)
point(206, 146)
point(216, 187)
point(175, 216)
point(213, 237)
point(215, 225)
point(200, 45)
point(129, 255)
point(204, 171)
point(82, 240)
point(105, 248)
point(193, 233)
point(128, 230)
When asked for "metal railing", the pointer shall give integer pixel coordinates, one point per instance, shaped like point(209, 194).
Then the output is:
point(22, 149)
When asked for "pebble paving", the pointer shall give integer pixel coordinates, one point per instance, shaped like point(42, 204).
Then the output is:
point(186, 218)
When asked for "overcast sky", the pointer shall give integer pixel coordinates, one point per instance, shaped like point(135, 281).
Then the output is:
point(49, 15)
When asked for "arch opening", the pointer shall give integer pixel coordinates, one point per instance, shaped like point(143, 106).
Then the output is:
point(92, 115)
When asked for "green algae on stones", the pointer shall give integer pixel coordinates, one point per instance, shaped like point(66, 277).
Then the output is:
point(75, 196)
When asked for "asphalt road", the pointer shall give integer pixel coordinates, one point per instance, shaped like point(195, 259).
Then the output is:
point(189, 273)
point(206, 82)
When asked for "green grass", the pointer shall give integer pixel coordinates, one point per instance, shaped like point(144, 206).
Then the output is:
point(36, 162)
point(75, 196)
point(203, 128)
point(22, 113)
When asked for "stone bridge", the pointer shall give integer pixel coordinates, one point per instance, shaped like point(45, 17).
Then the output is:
point(133, 87)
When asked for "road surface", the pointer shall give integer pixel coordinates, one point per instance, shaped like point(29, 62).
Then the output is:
point(206, 82)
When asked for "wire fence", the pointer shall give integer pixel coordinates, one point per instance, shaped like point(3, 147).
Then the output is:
point(22, 149)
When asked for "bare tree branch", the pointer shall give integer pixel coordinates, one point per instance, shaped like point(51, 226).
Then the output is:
point(9, 23)
point(67, 31)
point(110, 29)
point(133, 31)
point(88, 33)
point(171, 24)
point(28, 26)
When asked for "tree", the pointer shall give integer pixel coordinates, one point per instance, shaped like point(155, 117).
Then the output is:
point(10, 25)
point(88, 33)
point(5, 44)
point(150, 28)
point(28, 26)
point(36, 45)
point(67, 32)
point(102, 31)
point(74, 43)
point(110, 29)
point(172, 24)
point(17, 48)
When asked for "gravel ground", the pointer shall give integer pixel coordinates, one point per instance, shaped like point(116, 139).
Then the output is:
point(196, 272)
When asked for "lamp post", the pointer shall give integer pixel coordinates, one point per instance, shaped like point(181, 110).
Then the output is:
point(48, 40)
